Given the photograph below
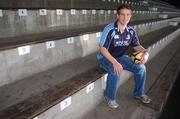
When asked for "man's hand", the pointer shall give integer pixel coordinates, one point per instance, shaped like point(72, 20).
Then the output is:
point(144, 58)
point(117, 67)
point(145, 53)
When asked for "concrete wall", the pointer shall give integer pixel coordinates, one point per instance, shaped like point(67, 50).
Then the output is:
point(14, 67)
point(158, 46)
point(78, 107)
point(13, 24)
point(67, 4)
point(148, 27)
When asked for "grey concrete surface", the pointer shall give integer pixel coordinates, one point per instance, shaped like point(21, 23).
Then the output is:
point(22, 90)
point(66, 4)
point(40, 58)
point(79, 4)
point(15, 67)
point(11, 95)
point(131, 108)
point(13, 42)
point(82, 103)
point(15, 25)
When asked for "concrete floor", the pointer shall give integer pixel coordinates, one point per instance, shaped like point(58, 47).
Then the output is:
point(170, 110)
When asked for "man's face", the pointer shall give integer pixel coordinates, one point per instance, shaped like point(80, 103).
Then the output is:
point(124, 16)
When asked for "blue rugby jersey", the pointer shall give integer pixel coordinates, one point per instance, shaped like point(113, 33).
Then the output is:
point(115, 42)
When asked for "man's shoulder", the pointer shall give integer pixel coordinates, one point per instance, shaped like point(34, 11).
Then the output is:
point(131, 29)
point(109, 26)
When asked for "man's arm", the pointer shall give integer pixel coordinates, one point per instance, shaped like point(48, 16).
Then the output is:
point(117, 66)
point(140, 48)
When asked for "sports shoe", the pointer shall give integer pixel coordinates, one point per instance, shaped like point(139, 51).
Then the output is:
point(144, 99)
point(112, 103)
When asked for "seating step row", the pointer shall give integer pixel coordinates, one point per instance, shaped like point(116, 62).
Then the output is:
point(33, 95)
point(34, 57)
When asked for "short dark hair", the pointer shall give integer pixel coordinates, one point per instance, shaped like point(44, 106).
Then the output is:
point(124, 6)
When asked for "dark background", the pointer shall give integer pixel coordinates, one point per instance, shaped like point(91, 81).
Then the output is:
point(175, 3)
point(171, 109)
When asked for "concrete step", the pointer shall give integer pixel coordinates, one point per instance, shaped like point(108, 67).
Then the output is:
point(20, 22)
point(85, 4)
point(46, 55)
point(32, 96)
point(162, 72)
point(57, 33)
point(78, 4)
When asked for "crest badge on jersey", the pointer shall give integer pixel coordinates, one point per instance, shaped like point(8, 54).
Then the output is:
point(131, 32)
point(128, 37)
point(116, 36)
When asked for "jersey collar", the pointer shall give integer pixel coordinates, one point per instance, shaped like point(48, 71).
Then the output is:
point(116, 27)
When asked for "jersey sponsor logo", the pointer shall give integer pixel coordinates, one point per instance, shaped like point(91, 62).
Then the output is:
point(121, 43)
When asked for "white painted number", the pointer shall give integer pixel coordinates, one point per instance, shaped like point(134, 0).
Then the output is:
point(22, 12)
point(43, 12)
point(70, 40)
point(109, 11)
point(93, 11)
point(90, 87)
point(65, 103)
point(73, 11)
point(59, 12)
point(50, 44)
point(24, 50)
point(86, 37)
point(84, 11)
point(102, 12)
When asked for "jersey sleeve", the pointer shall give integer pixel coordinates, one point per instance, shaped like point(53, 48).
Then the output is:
point(135, 40)
point(105, 37)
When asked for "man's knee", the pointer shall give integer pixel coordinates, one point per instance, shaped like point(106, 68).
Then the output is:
point(114, 75)
point(141, 68)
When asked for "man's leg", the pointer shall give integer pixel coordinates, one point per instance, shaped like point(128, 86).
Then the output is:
point(140, 78)
point(111, 88)
point(139, 71)
point(112, 79)
point(111, 85)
